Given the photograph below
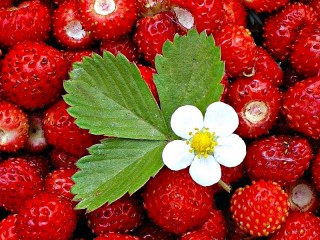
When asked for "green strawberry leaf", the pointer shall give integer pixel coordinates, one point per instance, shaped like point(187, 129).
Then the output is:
point(115, 167)
point(189, 73)
point(108, 96)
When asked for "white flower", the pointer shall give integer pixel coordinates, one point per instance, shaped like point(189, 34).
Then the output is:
point(207, 142)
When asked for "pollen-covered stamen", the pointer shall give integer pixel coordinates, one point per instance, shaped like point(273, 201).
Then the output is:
point(203, 142)
point(104, 7)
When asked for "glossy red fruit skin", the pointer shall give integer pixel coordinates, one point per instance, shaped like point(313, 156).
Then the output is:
point(67, 27)
point(32, 74)
point(282, 28)
point(46, 216)
point(116, 236)
point(257, 103)
point(151, 33)
point(305, 53)
point(301, 107)
point(62, 160)
point(59, 182)
point(264, 5)
point(72, 56)
point(192, 202)
point(19, 180)
point(234, 13)
point(122, 216)
point(261, 204)
point(299, 225)
point(6, 4)
point(29, 21)
point(147, 75)
point(282, 159)
point(13, 127)
point(124, 45)
point(110, 26)
point(61, 131)
point(315, 171)
point(39, 161)
point(150, 231)
point(8, 229)
point(237, 49)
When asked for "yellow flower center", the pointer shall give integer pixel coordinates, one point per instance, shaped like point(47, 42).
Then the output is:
point(202, 143)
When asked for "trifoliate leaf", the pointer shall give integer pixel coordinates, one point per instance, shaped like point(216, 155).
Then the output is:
point(115, 167)
point(189, 73)
point(108, 96)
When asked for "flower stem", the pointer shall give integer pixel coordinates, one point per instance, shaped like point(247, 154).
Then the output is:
point(225, 186)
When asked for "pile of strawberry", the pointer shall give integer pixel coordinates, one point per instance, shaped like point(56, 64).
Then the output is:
point(271, 51)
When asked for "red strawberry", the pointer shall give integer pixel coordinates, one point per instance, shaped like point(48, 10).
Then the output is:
point(151, 33)
point(151, 231)
point(39, 161)
point(175, 202)
point(299, 225)
point(316, 6)
point(264, 5)
point(214, 228)
point(151, 7)
point(257, 103)
point(8, 230)
point(124, 45)
point(76, 56)
point(67, 27)
point(59, 182)
point(123, 215)
point(305, 55)
point(108, 19)
point(30, 21)
point(116, 236)
point(6, 3)
point(315, 171)
point(61, 131)
point(234, 13)
point(46, 216)
point(147, 75)
point(62, 160)
point(281, 29)
point(259, 209)
point(13, 127)
point(301, 107)
point(32, 74)
point(282, 159)
point(19, 180)
point(36, 141)
point(237, 49)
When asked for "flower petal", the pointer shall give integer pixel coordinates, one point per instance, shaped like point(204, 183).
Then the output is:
point(221, 118)
point(230, 150)
point(176, 155)
point(205, 171)
point(185, 119)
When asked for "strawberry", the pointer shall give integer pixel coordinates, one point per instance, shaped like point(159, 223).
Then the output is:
point(8, 231)
point(151, 7)
point(301, 107)
point(123, 215)
point(315, 172)
point(237, 49)
point(214, 228)
point(61, 131)
point(234, 13)
point(305, 54)
point(30, 21)
point(36, 141)
point(108, 19)
point(267, 68)
point(316, 6)
point(13, 127)
point(19, 180)
point(264, 5)
point(257, 103)
point(299, 225)
point(32, 74)
point(62, 160)
point(147, 75)
point(175, 202)
point(259, 209)
point(281, 29)
point(67, 27)
point(151, 33)
point(76, 56)
point(282, 159)
point(6, 3)
point(151, 231)
point(116, 236)
point(46, 216)
point(124, 45)
point(59, 182)
point(39, 161)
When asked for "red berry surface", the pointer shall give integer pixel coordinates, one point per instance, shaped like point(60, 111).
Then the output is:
point(8, 230)
point(264, 5)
